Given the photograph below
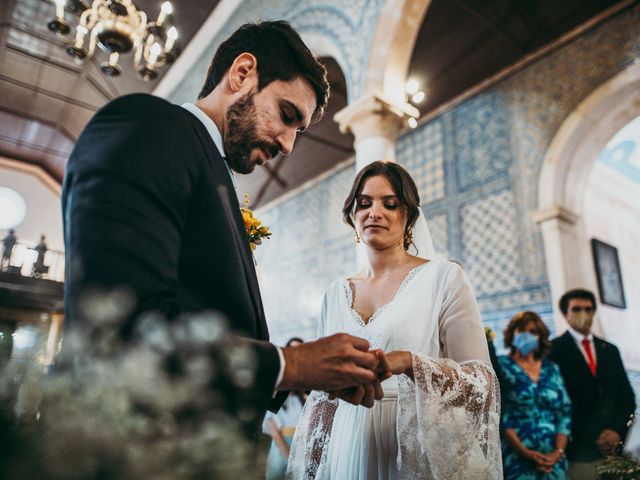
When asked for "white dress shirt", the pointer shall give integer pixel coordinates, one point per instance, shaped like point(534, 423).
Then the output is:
point(578, 337)
point(213, 131)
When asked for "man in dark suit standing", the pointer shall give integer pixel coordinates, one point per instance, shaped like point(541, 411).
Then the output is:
point(150, 208)
point(602, 398)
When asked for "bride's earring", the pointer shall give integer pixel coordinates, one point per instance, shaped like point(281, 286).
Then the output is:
point(408, 239)
point(356, 237)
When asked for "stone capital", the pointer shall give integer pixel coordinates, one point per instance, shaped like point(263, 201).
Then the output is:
point(559, 213)
point(374, 116)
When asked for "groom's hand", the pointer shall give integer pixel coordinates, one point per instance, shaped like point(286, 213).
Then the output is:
point(330, 363)
point(366, 394)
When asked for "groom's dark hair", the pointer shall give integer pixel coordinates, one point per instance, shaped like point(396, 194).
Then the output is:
point(281, 55)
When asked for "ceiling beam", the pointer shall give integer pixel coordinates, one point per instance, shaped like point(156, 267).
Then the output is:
point(500, 31)
point(56, 177)
point(530, 22)
point(326, 142)
point(49, 93)
point(31, 146)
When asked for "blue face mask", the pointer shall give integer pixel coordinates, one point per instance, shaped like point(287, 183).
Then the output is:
point(525, 342)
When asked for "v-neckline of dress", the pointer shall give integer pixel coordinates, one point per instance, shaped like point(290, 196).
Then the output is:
point(349, 293)
point(524, 372)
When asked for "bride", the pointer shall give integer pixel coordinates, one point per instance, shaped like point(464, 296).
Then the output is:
point(439, 418)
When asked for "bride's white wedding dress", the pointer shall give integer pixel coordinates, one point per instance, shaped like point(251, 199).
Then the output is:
point(442, 425)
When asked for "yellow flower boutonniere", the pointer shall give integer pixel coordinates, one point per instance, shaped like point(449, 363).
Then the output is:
point(490, 334)
point(255, 230)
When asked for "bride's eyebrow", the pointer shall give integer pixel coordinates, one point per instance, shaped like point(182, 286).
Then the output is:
point(369, 197)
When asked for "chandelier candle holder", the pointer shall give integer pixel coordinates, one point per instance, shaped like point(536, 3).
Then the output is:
point(117, 27)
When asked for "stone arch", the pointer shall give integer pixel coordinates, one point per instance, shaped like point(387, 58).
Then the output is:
point(564, 175)
point(323, 46)
point(398, 26)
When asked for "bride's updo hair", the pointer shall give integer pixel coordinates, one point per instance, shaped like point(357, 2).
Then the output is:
point(403, 187)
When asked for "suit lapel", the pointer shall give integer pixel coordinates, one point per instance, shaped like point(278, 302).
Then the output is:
point(229, 201)
point(602, 353)
point(232, 211)
point(577, 356)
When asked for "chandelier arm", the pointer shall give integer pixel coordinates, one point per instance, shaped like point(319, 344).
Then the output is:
point(137, 56)
point(132, 14)
point(87, 20)
point(95, 7)
point(142, 26)
point(93, 41)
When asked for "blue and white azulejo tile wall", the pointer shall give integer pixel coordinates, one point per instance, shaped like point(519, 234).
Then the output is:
point(477, 167)
point(310, 248)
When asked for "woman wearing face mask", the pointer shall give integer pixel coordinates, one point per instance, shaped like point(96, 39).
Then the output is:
point(536, 412)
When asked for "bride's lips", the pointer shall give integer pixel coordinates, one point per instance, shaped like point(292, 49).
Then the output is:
point(374, 227)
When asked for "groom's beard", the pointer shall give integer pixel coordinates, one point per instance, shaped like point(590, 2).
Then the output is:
point(242, 135)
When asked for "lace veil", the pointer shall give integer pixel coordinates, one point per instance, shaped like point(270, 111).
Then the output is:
point(422, 245)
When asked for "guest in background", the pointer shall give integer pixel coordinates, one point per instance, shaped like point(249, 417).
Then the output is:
point(39, 267)
point(597, 383)
point(281, 427)
point(493, 356)
point(536, 410)
point(8, 243)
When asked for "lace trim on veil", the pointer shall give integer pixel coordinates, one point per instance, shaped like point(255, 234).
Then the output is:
point(308, 455)
point(448, 420)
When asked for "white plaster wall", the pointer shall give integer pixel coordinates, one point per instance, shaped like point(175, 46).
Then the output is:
point(43, 215)
point(612, 215)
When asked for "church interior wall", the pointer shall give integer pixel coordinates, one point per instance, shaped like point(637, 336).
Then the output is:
point(477, 168)
point(612, 211)
point(41, 198)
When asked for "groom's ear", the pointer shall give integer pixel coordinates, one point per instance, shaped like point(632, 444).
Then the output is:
point(243, 73)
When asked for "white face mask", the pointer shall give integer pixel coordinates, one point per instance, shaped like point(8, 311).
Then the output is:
point(581, 321)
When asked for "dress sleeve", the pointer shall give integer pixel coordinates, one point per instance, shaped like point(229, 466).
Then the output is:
point(307, 458)
point(322, 324)
point(462, 335)
point(449, 415)
point(562, 412)
point(265, 423)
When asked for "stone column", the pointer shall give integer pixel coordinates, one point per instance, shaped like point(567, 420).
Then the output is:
point(567, 256)
point(374, 122)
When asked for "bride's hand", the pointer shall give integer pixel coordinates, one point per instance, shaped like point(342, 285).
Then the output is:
point(366, 394)
point(399, 362)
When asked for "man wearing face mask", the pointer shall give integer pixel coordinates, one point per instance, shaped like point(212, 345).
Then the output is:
point(597, 383)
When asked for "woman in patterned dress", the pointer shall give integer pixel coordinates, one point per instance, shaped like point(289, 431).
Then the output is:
point(536, 410)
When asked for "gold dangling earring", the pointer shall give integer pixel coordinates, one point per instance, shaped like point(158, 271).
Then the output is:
point(408, 239)
point(356, 237)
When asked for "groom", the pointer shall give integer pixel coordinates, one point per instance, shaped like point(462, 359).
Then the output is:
point(149, 205)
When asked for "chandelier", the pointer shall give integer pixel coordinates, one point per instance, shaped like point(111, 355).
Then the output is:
point(117, 27)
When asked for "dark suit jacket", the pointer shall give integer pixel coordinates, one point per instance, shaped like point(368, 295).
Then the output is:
point(603, 401)
point(148, 203)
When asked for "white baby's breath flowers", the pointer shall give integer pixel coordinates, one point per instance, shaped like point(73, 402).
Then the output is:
point(145, 408)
